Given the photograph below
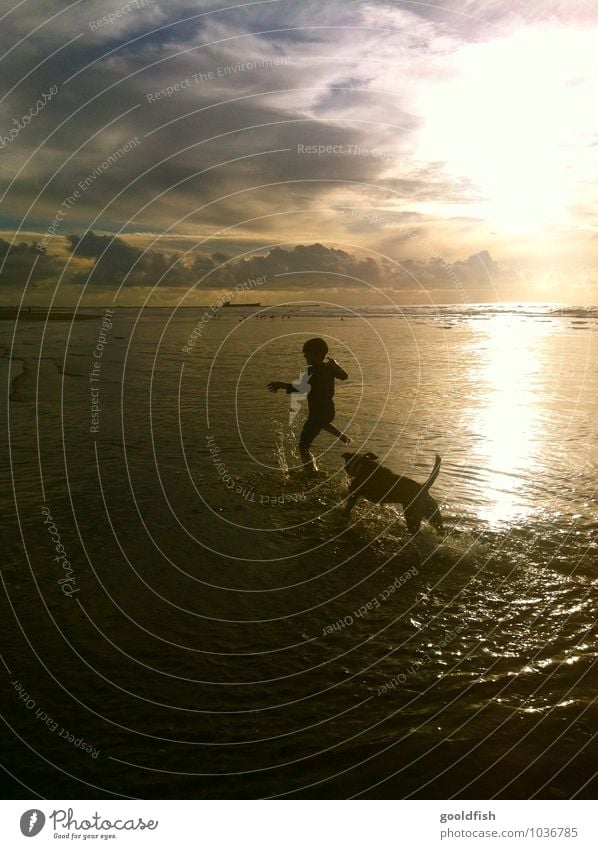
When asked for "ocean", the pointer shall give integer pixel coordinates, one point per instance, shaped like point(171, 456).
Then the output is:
point(188, 615)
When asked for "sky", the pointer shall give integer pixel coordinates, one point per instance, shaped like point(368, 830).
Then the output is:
point(359, 151)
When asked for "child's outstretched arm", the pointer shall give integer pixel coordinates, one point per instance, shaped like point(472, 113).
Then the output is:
point(337, 370)
point(275, 385)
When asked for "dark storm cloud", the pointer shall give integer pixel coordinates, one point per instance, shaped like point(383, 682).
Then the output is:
point(283, 267)
point(306, 265)
point(18, 263)
point(113, 262)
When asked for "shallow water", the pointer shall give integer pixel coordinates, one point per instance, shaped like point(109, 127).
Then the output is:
point(231, 634)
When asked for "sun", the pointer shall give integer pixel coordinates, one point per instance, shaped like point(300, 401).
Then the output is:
point(516, 117)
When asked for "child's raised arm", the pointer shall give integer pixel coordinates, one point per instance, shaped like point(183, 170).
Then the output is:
point(337, 370)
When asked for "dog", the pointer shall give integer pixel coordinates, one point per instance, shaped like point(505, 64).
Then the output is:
point(377, 483)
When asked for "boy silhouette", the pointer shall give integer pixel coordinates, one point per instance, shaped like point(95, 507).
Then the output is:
point(318, 384)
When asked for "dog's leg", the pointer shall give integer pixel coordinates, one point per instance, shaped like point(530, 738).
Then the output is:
point(436, 521)
point(352, 497)
point(433, 514)
point(413, 519)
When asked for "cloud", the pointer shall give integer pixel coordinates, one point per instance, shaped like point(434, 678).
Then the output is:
point(106, 262)
point(115, 262)
point(221, 101)
point(19, 260)
point(218, 128)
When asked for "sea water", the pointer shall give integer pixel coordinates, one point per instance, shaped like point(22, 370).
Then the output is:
point(229, 632)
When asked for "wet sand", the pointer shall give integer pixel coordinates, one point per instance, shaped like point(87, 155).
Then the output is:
point(211, 625)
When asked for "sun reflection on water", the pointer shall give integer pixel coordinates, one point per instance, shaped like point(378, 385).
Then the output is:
point(507, 424)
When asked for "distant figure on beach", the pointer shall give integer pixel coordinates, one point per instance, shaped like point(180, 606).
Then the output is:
point(317, 383)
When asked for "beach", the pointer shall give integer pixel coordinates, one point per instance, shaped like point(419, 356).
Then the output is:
point(199, 619)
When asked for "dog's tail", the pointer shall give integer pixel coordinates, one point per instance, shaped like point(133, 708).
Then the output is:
point(433, 475)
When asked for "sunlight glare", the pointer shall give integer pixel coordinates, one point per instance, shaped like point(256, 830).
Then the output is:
point(516, 117)
point(507, 425)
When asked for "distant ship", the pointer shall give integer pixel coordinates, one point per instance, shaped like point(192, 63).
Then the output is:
point(228, 304)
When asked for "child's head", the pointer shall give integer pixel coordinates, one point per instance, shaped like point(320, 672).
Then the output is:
point(315, 350)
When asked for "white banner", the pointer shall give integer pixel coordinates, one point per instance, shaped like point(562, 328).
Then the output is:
point(300, 824)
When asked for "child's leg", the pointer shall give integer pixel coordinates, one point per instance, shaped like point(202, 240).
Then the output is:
point(330, 428)
point(307, 458)
point(310, 430)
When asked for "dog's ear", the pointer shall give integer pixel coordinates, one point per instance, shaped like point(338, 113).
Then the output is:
point(370, 456)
